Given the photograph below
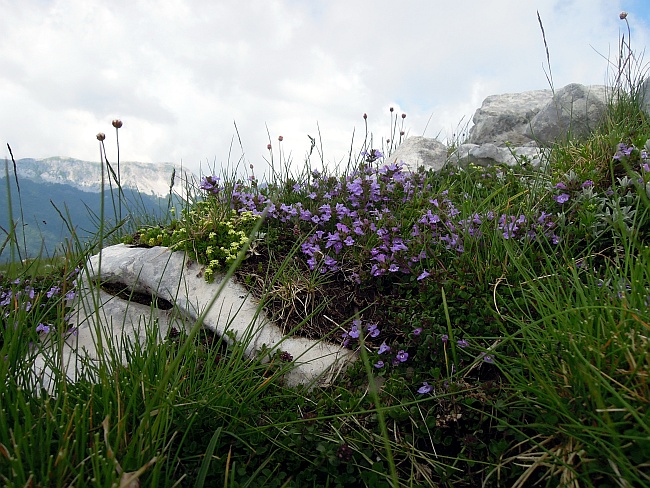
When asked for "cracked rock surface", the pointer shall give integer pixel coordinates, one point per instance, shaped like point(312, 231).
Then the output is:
point(172, 291)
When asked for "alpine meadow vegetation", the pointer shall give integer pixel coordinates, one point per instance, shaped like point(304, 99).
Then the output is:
point(500, 317)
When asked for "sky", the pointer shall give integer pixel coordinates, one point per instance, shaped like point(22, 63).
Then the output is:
point(190, 79)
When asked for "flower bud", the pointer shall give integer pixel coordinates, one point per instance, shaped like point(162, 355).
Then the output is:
point(622, 15)
point(403, 116)
point(117, 123)
point(101, 136)
point(268, 146)
point(365, 116)
point(280, 138)
point(391, 109)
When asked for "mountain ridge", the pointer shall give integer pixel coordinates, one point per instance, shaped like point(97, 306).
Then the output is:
point(147, 178)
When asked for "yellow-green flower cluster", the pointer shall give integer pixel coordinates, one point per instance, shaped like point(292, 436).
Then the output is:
point(205, 233)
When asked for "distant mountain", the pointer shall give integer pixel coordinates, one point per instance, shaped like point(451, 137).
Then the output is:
point(71, 187)
point(147, 178)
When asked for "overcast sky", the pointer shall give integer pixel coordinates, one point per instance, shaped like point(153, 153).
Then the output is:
point(181, 73)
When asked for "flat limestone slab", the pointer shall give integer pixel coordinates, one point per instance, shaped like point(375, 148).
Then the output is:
point(158, 272)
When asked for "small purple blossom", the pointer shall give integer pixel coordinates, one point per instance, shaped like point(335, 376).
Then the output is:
point(354, 332)
point(402, 356)
point(379, 364)
point(43, 328)
point(487, 358)
point(210, 184)
point(373, 331)
point(383, 348)
point(444, 338)
point(462, 343)
point(425, 388)
point(423, 275)
point(562, 198)
point(417, 332)
point(53, 291)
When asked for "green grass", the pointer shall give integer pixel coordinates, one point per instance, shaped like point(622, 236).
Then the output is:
point(500, 316)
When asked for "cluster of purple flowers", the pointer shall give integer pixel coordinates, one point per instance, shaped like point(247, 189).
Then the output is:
point(629, 151)
point(22, 297)
point(401, 357)
point(357, 328)
point(210, 184)
point(356, 225)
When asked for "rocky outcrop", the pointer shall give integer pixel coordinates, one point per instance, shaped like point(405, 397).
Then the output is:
point(180, 297)
point(421, 151)
point(515, 127)
point(574, 111)
point(505, 118)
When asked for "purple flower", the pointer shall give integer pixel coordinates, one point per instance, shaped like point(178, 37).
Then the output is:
point(462, 343)
point(373, 330)
point(425, 388)
point(383, 348)
point(402, 356)
point(379, 364)
point(43, 328)
point(417, 332)
point(424, 274)
point(487, 358)
point(587, 184)
point(561, 198)
point(53, 291)
point(354, 332)
point(398, 245)
point(560, 186)
point(210, 184)
point(70, 295)
point(444, 338)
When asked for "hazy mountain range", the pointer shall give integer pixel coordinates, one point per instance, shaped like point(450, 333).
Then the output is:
point(56, 193)
point(147, 178)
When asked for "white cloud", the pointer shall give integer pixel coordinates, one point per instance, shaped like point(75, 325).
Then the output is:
point(180, 73)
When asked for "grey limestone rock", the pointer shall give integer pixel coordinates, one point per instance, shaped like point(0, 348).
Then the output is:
point(420, 151)
point(516, 127)
point(645, 96)
point(574, 111)
point(488, 154)
point(505, 118)
point(167, 276)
